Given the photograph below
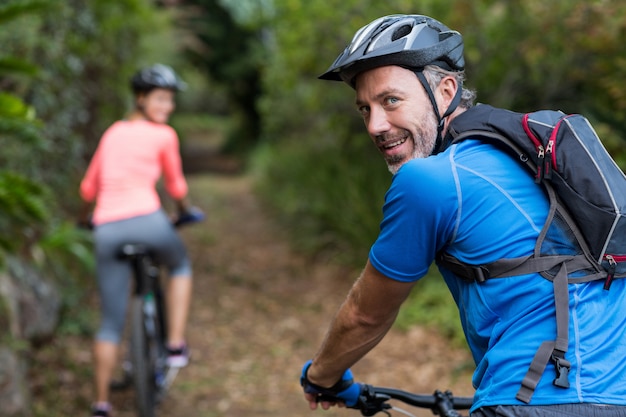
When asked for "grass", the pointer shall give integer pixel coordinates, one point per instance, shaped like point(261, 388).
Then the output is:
point(431, 304)
point(334, 208)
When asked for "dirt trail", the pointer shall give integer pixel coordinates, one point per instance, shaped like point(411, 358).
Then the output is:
point(259, 311)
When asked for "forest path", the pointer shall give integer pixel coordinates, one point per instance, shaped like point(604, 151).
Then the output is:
point(259, 311)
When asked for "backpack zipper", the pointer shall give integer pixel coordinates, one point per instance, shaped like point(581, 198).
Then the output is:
point(541, 153)
point(551, 149)
point(612, 260)
point(546, 156)
point(550, 156)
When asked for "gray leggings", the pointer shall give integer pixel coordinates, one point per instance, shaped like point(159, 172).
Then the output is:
point(557, 410)
point(154, 230)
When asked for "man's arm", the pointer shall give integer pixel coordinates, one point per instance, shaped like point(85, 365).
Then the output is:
point(361, 322)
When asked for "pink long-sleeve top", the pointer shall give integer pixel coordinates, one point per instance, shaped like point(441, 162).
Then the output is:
point(130, 159)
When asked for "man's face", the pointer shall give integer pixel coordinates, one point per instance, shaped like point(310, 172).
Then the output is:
point(398, 114)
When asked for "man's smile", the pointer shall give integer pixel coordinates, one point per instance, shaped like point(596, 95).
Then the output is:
point(390, 142)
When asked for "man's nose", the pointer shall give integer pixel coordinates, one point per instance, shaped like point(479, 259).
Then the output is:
point(377, 122)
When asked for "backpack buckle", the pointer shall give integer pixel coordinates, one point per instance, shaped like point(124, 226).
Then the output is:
point(480, 274)
point(562, 367)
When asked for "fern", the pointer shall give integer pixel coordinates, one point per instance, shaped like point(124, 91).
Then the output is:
point(24, 210)
point(13, 10)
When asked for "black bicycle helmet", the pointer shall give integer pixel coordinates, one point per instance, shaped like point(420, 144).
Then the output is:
point(410, 41)
point(156, 76)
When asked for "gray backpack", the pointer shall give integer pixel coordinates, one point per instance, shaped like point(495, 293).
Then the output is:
point(587, 192)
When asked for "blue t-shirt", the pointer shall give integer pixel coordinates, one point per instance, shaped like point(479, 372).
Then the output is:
point(482, 205)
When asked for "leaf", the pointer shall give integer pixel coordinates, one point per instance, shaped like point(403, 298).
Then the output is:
point(14, 10)
point(11, 65)
point(11, 106)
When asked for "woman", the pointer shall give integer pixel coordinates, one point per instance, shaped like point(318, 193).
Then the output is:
point(121, 180)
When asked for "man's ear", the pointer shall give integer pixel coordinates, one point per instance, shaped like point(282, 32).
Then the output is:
point(446, 90)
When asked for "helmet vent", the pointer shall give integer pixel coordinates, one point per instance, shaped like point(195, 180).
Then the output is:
point(409, 41)
point(401, 32)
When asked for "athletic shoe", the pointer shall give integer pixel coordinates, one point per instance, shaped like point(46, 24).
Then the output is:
point(101, 410)
point(178, 358)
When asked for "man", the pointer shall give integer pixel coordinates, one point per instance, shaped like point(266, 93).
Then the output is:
point(478, 204)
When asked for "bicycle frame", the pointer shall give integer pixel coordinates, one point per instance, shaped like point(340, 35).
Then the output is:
point(148, 330)
point(148, 287)
point(151, 376)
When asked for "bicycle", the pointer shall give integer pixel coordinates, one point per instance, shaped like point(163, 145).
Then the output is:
point(373, 400)
point(146, 367)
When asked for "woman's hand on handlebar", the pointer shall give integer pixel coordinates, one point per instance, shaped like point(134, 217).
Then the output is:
point(189, 214)
point(86, 224)
point(85, 216)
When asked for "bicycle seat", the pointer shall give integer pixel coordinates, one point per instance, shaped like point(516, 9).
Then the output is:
point(132, 250)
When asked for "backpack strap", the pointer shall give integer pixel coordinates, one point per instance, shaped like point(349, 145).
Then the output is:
point(551, 350)
point(509, 267)
point(535, 146)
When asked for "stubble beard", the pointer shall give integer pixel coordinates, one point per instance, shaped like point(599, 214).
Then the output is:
point(423, 143)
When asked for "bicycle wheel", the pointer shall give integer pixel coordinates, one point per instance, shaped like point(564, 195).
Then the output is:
point(159, 349)
point(143, 357)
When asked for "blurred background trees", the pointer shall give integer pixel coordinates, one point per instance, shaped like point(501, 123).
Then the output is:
point(64, 70)
point(228, 47)
point(316, 162)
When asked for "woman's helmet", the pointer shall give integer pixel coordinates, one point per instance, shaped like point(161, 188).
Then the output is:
point(156, 76)
point(410, 41)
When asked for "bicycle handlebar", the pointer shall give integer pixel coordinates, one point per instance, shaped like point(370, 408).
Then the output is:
point(191, 215)
point(374, 399)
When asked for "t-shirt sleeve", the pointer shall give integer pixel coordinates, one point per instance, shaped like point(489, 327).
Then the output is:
point(174, 180)
point(418, 219)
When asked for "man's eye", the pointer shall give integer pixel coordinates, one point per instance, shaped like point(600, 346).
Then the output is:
point(391, 100)
point(363, 110)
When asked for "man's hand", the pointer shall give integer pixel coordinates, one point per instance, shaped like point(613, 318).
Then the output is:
point(344, 393)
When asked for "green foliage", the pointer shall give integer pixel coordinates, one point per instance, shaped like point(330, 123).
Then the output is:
point(66, 253)
point(315, 166)
point(24, 211)
point(22, 200)
point(15, 9)
point(85, 52)
point(565, 54)
point(13, 107)
point(431, 303)
point(28, 228)
point(69, 247)
point(231, 53)
point(20, 134)
point(5, 321)
point(311, 191)
point(11, 65)
point(69, 82)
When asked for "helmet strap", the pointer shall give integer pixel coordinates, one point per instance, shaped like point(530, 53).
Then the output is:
point(140, 108)
point(440, 119)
